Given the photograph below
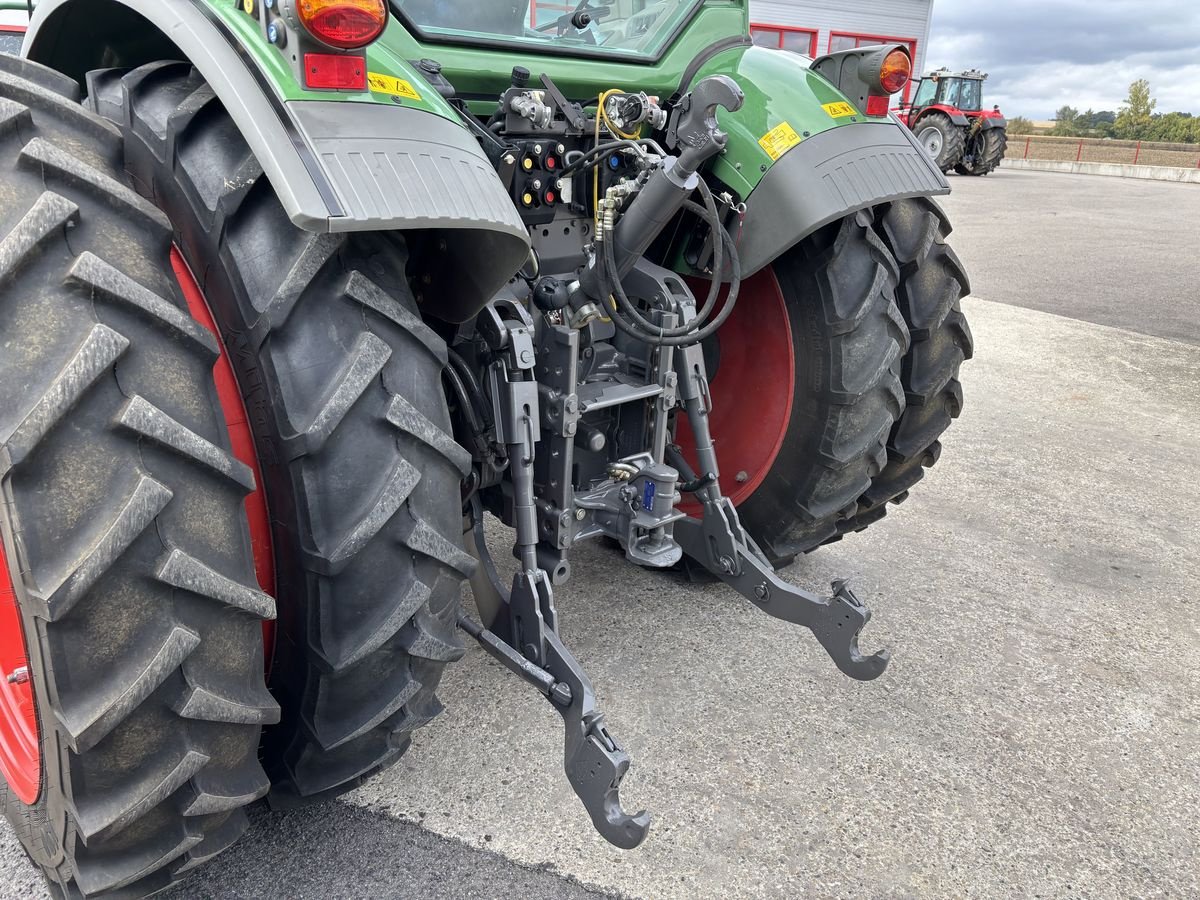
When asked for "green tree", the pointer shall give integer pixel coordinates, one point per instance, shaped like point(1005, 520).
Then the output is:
point(1067, 122)
point(1135, 119)
point(1174, 128)
point(1020, 125)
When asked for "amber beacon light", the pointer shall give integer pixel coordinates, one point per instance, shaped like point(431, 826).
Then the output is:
point(895, 72)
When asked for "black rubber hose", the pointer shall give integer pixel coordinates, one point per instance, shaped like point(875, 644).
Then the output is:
point(714, 222)
point(646, 331)
point(474, 391)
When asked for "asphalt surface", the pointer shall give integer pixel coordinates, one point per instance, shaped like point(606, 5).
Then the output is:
point(1036, 733)
point(1115, 251)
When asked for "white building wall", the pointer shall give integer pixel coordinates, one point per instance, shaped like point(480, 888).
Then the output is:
point(888, 18)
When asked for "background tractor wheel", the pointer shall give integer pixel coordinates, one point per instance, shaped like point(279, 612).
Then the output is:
point(132, 695)
point(807, 387)
point(987, 152)
point(932, 285)
point(942, 140)
point(343, 385)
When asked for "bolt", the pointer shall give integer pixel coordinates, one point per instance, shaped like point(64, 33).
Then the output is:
point(537, 148)
point(527, 357)
point(580, 515)
point(762, 592)
point(561, 149)
point(510, 160)
point(19, 676)
point(726, 564)
point(743, 477)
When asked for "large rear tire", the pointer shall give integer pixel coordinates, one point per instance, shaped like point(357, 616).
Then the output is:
point(126, 563)
point(942, 139)
point(848, 342)
point(343, 384)
point(832, 391)
point(985, 153)
point(932, 285)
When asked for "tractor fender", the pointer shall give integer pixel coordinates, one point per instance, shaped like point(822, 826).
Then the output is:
point(315, 152)
point(990, 122)
point(956, 118)
point(801, 155)
point(828, 177)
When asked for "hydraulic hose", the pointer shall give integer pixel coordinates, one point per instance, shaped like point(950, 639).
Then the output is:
point(648, 331)
point(713, 217)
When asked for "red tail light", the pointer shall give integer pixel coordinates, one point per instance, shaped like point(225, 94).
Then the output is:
point(896, 71)
point(333, 72)
point(344, 24)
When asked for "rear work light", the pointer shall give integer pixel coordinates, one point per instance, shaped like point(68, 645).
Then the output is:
point(895, 72)
point(344, 24)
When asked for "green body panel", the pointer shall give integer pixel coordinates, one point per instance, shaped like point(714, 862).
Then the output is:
point(381, 59)
point(780, 87)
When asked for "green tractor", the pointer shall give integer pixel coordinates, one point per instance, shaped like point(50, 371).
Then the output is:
point(295, 293)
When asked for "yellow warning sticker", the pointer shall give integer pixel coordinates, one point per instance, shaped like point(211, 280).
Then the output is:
point(840, 110)
point(396, 87)
point(779, 141)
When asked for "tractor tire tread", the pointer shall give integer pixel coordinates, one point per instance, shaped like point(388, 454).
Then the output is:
point(343, 377)
point(848, 408)
point(932, 286)
point(97, 339)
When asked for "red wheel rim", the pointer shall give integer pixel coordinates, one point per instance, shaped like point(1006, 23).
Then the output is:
point(233, 407)
point(752, 391)
point(20, 740)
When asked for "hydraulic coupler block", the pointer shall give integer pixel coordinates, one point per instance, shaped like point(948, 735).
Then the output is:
point(694, 128)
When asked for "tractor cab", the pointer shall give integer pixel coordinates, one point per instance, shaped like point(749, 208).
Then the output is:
point(962, 91)
point(949, 119)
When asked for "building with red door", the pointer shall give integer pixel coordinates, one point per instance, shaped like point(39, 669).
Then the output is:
point(813, 28)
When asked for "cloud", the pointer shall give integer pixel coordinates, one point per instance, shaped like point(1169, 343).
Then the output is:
point(1044, 55)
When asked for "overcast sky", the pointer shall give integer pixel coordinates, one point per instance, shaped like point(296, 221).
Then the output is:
point(1044, 54)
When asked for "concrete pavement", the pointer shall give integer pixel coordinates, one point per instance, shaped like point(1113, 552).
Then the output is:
point(1109, 250)
point(1036, 732)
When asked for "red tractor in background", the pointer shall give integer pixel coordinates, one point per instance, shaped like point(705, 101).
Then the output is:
point(948, 117)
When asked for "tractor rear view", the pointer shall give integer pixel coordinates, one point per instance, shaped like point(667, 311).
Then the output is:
point(948, 117)
point(296, 294)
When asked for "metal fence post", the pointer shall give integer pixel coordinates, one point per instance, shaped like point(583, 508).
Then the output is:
point(1029, 139)
point(1079, 155)
point(1138, 154)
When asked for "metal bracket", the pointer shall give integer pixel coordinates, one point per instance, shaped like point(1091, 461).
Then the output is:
point(719, 543)
point(836, 621)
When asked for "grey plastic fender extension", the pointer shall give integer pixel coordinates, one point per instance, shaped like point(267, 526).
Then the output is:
point(336, 166)
point(826, 178)
point(989, 124)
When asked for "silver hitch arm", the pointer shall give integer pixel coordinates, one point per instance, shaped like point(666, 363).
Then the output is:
point(718, 542)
